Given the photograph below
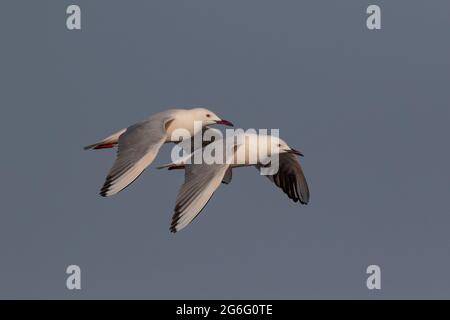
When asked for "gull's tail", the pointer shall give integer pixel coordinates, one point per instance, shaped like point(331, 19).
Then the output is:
point(108, 142)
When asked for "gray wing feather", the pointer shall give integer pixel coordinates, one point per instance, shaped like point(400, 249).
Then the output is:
point(201, 181)
point(138, 147)
point(290, 178)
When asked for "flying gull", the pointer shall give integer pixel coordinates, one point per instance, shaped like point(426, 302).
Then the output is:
point(139, 144)
point(202, 180)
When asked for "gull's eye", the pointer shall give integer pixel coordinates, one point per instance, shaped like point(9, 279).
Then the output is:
point(279, 145)
point(208, 115)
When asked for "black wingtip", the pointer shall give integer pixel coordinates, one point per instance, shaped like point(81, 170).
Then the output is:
point(105, 189)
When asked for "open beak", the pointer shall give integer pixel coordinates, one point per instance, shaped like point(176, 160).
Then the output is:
point(225, 123)
point(296, 152)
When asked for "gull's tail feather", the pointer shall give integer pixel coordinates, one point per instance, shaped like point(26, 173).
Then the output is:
point(108, 142)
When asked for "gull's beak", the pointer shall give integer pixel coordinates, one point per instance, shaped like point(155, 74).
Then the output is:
point(225, 123)
point(296, 152)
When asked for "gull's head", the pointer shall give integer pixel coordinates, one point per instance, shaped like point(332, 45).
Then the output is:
point(208, 117)
point(283, 147)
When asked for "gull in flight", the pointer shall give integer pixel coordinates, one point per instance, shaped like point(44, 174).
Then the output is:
point(139, 144)
point(202, 180)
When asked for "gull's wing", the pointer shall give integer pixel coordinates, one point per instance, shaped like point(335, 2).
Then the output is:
point(290, 178)
point(138, 147)
point(200, 183)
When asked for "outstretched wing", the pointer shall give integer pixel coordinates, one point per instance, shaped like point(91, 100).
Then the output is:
point(200, 183)
point(138, 147)
point(290, 178)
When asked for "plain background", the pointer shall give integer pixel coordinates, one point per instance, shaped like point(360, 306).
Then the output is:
point(369, 109)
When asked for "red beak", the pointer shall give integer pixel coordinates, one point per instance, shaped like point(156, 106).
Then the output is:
point(225, 123)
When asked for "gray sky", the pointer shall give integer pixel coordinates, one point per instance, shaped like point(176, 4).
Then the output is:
point(369, 109)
